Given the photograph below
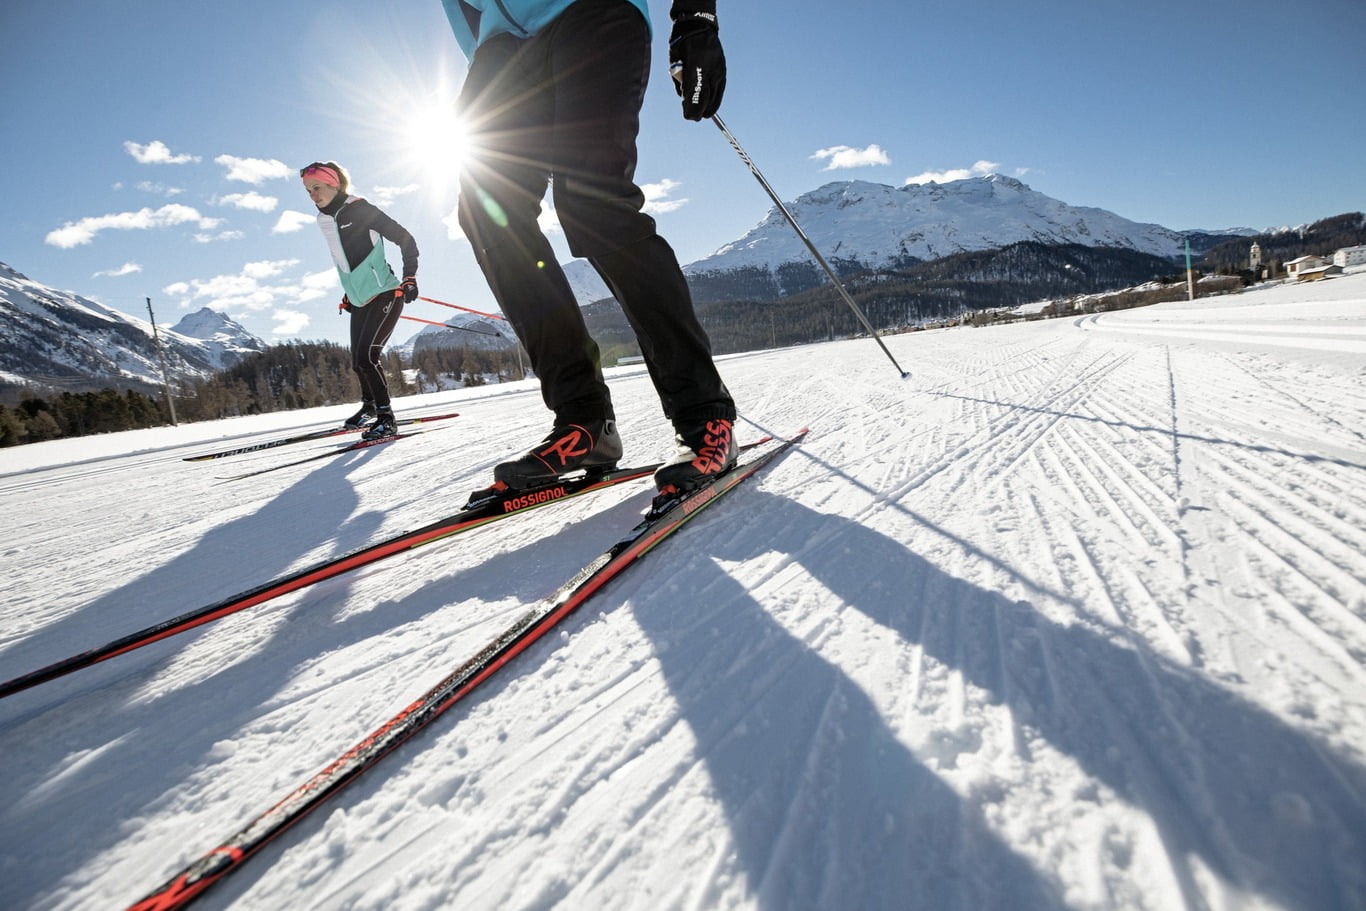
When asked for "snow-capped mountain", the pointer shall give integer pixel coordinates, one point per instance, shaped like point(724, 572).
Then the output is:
point(877, 225)
point(225, 339)
point(587, 285)
point(871, 225)
point(58, 339)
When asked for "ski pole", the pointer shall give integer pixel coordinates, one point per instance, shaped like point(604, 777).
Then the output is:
point(432, 322)
point(432, 300)
point(839, 286)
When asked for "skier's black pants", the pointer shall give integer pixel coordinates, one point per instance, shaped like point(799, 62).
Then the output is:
point(371, 327)
point(566, 103)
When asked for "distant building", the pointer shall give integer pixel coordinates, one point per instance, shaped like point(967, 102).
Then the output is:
point(1310, 268)
point(1349, 256)
point(1256, 258)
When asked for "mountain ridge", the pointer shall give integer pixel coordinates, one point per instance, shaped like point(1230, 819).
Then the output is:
point(878, 225)
point(57, 340)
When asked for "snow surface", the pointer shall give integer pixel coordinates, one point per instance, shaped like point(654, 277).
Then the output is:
point(1073, 618)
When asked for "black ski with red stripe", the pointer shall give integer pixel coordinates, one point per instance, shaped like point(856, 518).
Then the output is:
point(483, 507)
point(490, 507)
point(665, 517)
point(305, 438)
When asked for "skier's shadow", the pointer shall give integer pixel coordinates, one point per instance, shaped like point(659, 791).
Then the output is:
point(177, 729)
point(227, 558)
point(117, 728)
point(829, 809)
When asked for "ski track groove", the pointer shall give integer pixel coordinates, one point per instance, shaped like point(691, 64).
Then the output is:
point(1308, 523)
point(28, 482)
point(1139, 756)
point(785, 853)
point(1299, 404)
point(1051, 409)
point(1299, 528)
point(1298, 610)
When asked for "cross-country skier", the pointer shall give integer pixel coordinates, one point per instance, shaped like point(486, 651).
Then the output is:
point(553, 97)
point(355, 231)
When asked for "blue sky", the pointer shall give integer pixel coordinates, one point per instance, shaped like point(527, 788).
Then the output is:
point(153, 145)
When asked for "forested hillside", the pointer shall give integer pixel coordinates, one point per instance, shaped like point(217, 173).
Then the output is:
point(907, 297)
point(282, 378)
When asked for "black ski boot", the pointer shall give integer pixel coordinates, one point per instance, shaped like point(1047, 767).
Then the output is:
point(705, 452)
point(385, 425)
point(593, 445)
point(360, 418)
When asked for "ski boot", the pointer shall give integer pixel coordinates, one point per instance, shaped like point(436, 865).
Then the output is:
point(385, 425)
point(705, 452)
point(592, 446)
point(360, 418)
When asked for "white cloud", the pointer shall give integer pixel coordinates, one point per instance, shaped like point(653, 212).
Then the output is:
point(220, 236)
point(77, 233)
point(839, 157)
point(125, 269)
point(385, 196)
point(291, 220)
point(549, 219)
point(319, 284)
point(253, 170)
point(657, 200)
point(261, 286)
point(156, 152)
point(267, 268)
point(160, 189)
point(289, 322)
point(979, 169)
point(253, 201)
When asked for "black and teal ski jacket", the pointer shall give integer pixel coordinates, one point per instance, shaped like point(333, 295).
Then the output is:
point(355, 230)
point(475, 21)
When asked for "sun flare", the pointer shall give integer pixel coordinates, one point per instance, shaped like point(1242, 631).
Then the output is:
point(434, 142)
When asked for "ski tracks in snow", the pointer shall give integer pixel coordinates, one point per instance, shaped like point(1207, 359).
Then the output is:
point(1073, 618)
point(1104, 487)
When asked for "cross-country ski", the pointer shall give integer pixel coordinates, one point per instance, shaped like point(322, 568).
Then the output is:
point(305, 438)
point(663, 520)
point(325, 454)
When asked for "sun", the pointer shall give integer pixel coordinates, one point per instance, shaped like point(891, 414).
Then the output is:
point(435, 138)
point(434, 141)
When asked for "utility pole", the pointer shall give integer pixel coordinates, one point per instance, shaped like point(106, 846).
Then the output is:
point(1190, 275)
point(161, 356)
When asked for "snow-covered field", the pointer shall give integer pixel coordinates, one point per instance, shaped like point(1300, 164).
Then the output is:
point(1073, 618)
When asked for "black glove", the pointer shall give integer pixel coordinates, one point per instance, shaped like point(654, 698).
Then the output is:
point(345, 305)
point(409, 288)
point(695, 58)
